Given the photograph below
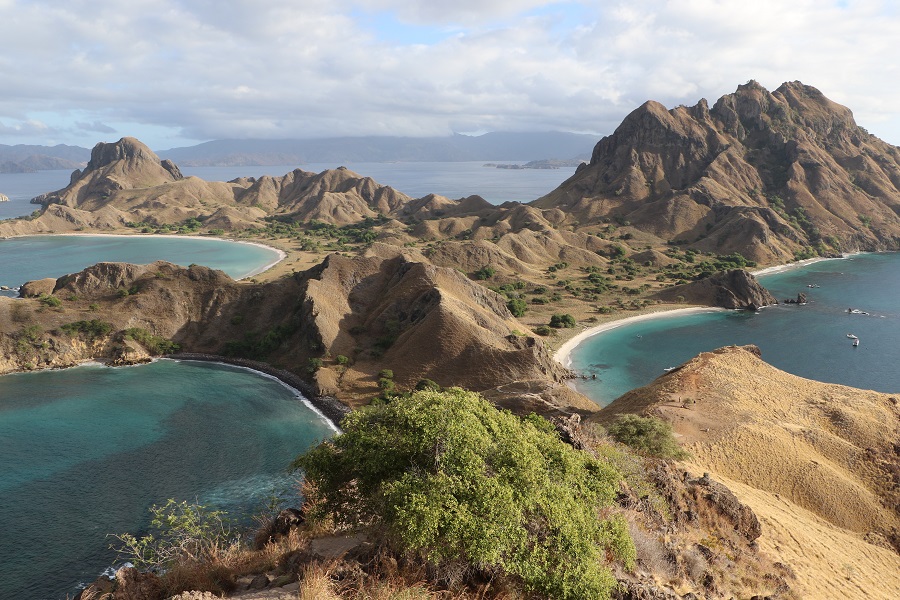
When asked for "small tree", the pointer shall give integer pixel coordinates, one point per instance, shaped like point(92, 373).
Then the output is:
point(485, 272)
point(649, 435)
point(449, 477)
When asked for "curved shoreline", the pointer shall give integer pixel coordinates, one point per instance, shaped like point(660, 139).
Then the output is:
point(330, 408)
point(563, 354)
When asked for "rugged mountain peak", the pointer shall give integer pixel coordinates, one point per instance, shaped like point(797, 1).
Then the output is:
point(772, 175)
point(131, 150)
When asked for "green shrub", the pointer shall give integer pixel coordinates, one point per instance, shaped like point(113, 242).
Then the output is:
point(517, 307)
point(386, 374)
point(51, 301)
point(484, 273)
point(451, 478)
point(342, 360)
point(559, 321)
point(543, 330)
point(90, 329)
point(314, 364)
point(153, 343)
point(648, 435)
point(428, 384)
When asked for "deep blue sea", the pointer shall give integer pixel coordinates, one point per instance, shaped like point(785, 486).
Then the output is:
point(810, 341)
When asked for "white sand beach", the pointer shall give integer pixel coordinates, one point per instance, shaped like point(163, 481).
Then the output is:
point(562, 355)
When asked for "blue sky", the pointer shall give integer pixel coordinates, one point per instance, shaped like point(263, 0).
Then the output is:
point(179, 72)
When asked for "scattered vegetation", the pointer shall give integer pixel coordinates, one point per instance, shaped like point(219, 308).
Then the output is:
point(91, 330)
point(153, 343)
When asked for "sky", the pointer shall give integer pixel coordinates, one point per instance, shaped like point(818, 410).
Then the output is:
point(179, 72)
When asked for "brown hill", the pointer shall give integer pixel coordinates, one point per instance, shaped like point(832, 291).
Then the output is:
point(765, 174)
point(381, 310)
point(818, 463)
point(126, 182)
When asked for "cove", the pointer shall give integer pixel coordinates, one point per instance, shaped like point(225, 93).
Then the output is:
point(87, 450)
point(809, 341)
point(41, 256)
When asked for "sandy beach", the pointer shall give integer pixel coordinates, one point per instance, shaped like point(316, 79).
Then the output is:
point(562, 354)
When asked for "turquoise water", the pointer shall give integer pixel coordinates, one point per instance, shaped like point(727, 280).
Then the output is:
point(40, 256)
point(809, 341)
point(86, 451)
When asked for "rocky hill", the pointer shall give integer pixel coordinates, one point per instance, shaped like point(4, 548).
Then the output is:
point(768, 174)
point(381, 310)
point(818, 463)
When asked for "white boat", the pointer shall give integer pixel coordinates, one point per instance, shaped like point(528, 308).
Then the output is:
point(852, 337)
point(856, 342)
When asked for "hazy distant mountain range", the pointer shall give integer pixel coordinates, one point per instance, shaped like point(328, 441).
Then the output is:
point(24, 158)
point(230, 153)
point(488, 147)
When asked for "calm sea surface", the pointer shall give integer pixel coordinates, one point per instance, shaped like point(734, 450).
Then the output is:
point(36, 257)
point(810, 341)
point(86, 451)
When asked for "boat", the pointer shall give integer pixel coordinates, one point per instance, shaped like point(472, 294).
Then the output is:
point(856, 342)
point(852, 337)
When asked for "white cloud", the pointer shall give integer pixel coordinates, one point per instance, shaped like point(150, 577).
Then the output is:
point(202, 69)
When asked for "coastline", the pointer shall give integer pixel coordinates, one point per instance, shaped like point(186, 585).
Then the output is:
point(563, 354)
point(331, 409)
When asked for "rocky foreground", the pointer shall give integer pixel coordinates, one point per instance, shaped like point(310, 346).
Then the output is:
point(818, 463)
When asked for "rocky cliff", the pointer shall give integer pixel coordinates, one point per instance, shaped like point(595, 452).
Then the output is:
point(766, 174)
point(734, 289)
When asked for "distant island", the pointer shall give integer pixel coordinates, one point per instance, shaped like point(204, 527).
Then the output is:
point(539, 164)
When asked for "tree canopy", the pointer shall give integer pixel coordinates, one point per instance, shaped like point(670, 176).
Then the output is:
point(446, 475)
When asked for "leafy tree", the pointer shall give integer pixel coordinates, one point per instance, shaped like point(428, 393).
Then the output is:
point(649, 435)
point(448, 476)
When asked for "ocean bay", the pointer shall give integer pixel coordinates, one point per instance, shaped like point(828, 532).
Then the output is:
point(88, 450)
point(810, 340)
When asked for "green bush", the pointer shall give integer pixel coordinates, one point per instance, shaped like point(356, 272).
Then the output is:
point(51, 301)
point(517, 307)
point(485, 273)
point(648, 435)
point(449, 477)
point(386, 374)
point(543, 330)
point(559, 321)
point(314, 364)
point(153, 343)
point(341, 359)
point(90, 329)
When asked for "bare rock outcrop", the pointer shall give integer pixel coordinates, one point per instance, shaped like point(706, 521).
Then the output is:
point(734, 289)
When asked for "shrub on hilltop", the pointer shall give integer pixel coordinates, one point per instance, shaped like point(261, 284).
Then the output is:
point(448, 477)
